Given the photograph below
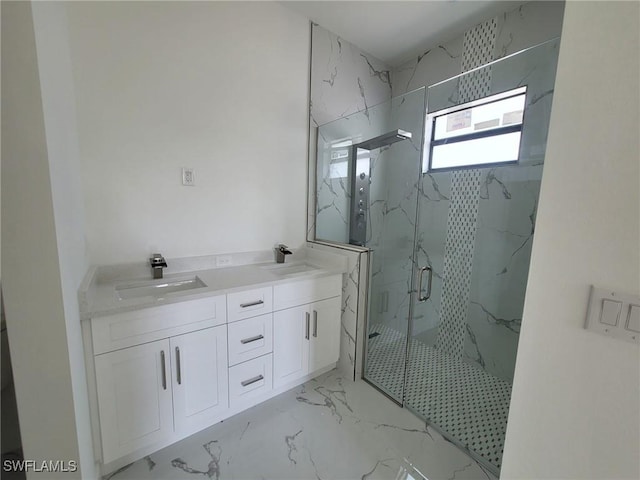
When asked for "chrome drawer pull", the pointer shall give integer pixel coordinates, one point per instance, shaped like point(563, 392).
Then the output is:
point(315, 323)
point(164, 370)
point(251, 304)
point(179, 373)
point(306, 328)
point(252, 380)
point(251, 339)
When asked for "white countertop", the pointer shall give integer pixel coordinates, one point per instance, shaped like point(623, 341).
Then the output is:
point(98, 295)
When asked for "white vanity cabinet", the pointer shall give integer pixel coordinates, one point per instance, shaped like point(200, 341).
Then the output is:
point(151, 392)
point(306, 338)
point(199, 379)
point(324, 337)
point(134, 397)
point(154, 382)
point(161, 373)
point(290, 345)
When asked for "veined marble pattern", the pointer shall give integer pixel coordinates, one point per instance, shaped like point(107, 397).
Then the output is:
point(349, 316)
point(506, 220)
point(529, 24)
point(353, 309)
point(432, 66)
point(344, 80)
point(523, 27)
point(329, 428)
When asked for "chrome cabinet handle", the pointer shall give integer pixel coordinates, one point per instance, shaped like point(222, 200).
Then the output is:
point(315, 323)
point(252, 380)
point(164, 370)
point(251, 339)
point(424, 298)
point(306, 331)
point(251, 304)
point(179, 372)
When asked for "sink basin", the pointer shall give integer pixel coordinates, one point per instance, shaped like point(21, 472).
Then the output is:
point(292, 269)
point(158, 288)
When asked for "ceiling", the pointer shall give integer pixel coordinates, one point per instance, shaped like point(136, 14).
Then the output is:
point(397, 31)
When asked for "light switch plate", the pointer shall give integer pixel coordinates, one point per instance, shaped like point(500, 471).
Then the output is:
point(613, 314)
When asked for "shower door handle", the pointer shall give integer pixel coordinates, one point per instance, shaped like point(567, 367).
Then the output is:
point(424, 298)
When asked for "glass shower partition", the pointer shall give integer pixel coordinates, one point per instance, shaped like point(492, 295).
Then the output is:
point(473, 243)
point(368, 169)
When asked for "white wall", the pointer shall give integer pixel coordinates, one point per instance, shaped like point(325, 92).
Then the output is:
point(575, 410)
point(58, 104)
point(32, 284)
point(218, 86)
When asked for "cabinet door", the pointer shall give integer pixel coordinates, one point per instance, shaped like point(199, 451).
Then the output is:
point(291, 329)
point(324, 347)
point(200, 385)
point(134, 398)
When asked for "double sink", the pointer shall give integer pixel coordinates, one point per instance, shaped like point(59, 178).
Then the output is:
point(160, 288)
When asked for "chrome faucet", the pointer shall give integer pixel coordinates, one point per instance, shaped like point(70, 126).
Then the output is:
point(282, 250)
point(157, 262)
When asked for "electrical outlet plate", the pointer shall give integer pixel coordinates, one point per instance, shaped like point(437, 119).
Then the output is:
point(188, 177)
point(223, 261)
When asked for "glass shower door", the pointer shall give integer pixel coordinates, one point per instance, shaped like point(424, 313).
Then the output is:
point(474, 231)
point(390, 227)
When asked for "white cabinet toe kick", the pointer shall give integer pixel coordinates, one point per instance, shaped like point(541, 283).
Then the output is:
point(159, 374)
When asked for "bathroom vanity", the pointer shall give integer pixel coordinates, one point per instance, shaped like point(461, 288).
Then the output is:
point(165, 360)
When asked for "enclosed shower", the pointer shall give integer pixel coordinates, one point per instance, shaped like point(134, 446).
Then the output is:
point(441, 186)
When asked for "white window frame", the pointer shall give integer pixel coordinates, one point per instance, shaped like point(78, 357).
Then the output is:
point(476, 135)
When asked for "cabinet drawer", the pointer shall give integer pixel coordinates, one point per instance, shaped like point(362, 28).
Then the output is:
point(306, 291)
point(122, 330)
point(250, 338)
point(249, 303)
point(250, 381)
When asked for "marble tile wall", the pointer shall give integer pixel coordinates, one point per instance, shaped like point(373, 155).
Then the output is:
point(506, 221)
point(344, 80)
point(353, 308)
point(494, 301)
point(524, 27)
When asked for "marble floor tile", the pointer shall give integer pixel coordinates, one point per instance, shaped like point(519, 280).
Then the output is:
point(328, 428)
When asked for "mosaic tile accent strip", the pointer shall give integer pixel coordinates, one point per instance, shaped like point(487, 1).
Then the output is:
point(458, 260)
point(478, 49)
point(459, 398)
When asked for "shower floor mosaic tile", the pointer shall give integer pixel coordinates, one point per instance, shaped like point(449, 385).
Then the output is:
point(457, 397)
point(328, 428)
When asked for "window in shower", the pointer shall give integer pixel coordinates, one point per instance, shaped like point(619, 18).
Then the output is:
point(482, 132)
